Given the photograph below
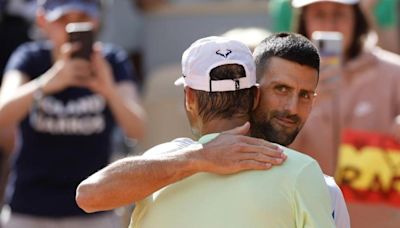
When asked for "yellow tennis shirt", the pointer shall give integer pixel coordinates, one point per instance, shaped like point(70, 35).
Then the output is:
point(291, 195)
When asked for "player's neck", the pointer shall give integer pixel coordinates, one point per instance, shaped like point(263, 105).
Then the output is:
point(220, 125)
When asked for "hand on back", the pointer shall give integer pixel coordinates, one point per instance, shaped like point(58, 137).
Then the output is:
point(232, 151)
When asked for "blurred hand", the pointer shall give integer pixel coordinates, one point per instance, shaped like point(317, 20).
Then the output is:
point(330, 78)
point(66, 72)
point(102, 81)
point(232, 152)
point(396, 128)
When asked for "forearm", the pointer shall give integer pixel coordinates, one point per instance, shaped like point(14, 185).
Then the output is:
point(128, 113)
point(15, 105)
point(7, 139)
point(130, 180)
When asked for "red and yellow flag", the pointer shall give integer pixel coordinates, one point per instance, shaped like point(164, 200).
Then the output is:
point(369, 168)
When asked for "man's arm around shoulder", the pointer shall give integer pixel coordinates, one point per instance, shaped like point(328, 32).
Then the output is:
point(131, 179)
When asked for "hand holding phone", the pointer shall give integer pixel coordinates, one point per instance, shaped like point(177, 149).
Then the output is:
point(330, 46)
point(82, 33)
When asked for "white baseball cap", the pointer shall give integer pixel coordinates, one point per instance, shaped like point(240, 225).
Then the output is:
point(210, 52)
point(301, 3)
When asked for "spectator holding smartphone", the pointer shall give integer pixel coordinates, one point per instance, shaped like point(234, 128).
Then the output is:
point(353, 131)
point(65, 109)
point(382, 15)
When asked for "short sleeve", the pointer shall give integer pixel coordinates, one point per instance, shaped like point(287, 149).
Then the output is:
point(312, 200)
point(340, 212)
point(21, 60)
point(32, 59)
point(120, 63)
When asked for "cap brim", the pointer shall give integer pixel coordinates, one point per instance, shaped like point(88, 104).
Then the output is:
point(302, 3)
point(179, 82)
point(90, 10)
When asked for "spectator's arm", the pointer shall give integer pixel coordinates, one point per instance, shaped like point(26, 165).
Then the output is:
point(124, 104)
point(121, 97)
point(16, 97)
point(7, 139)
point(18, 90)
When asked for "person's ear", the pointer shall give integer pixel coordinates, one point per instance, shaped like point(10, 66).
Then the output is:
point(190, 97)
point(256, 97)
point(41, 19)
point(314, 98)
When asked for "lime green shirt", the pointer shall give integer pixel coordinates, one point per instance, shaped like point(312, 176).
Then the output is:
point(291, 195)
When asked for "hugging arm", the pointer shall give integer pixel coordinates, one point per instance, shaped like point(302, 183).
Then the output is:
point(132, 179)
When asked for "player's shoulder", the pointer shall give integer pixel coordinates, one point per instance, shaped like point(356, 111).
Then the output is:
point(298, 163)
point(297, 156)
point(171, 146)
point(330, 181)
point(332, 186)
point(34, 47)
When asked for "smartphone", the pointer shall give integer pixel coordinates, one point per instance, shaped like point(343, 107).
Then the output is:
point(330, 46)
point(82, 33)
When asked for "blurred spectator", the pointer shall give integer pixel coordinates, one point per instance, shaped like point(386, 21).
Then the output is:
point(381, 14)
point(16, 18)
point(357, 108)
point(65, 108)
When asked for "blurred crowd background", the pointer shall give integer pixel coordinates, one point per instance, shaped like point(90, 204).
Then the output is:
point(154, 33)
